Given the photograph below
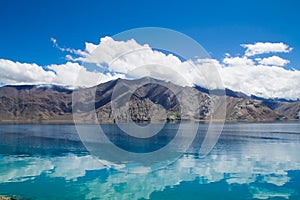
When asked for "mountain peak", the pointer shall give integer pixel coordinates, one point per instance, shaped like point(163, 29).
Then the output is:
point(48, 103)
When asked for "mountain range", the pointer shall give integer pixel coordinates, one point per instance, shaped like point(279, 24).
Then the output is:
point(141, 100)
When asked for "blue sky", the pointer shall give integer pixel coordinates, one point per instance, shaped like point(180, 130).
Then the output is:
point(254, 44)
point(220, 26)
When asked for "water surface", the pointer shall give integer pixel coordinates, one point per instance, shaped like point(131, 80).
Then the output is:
point(250, 161)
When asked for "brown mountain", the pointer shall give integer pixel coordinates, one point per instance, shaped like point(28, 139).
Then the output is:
point(141, 100)
point(291, 110)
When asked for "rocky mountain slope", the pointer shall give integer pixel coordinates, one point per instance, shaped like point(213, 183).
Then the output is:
point(142, 100)
point(291, 110)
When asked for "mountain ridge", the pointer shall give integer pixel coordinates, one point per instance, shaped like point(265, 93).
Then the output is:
point(37, 104)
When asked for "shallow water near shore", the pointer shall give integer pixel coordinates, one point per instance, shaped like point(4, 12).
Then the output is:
point(249, 161)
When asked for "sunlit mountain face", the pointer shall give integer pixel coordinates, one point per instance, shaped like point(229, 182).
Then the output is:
point(151, 100)
point(257, 161)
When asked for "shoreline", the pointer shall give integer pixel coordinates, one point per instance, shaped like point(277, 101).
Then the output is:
point(71, 122)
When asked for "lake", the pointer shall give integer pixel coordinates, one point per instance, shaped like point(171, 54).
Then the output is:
point(249, 161)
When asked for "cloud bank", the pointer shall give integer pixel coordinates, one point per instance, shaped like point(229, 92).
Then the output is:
point(251, 73)
point(15, 73)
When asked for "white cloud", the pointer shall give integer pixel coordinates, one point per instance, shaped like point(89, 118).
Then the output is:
point(273, 60)
point(76, 75)
point(123, 56)
point(129, 57)
point(105, 51)
point(262, 80)
point(64, 74)
point(238, 73)
point(70, 50)
point(263, 77)
point(266, 47)
point(22, 73)
point(235, 61)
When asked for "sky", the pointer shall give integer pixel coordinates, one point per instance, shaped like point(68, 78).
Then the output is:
point(34, 36)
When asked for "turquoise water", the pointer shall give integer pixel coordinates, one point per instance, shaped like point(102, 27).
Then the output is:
point(250, 161)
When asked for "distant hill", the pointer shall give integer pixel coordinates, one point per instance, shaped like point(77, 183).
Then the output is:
point(154, 101)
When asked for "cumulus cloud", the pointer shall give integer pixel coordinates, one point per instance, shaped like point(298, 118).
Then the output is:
point(63, 74)
point(273, 60)
point(136, 60)
point(123, 56)
point(235, 61)
point(263, 77)
point(73, 74)
point(261, 80)
point(22, 73)
point(111, 59)
point(266, 47)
